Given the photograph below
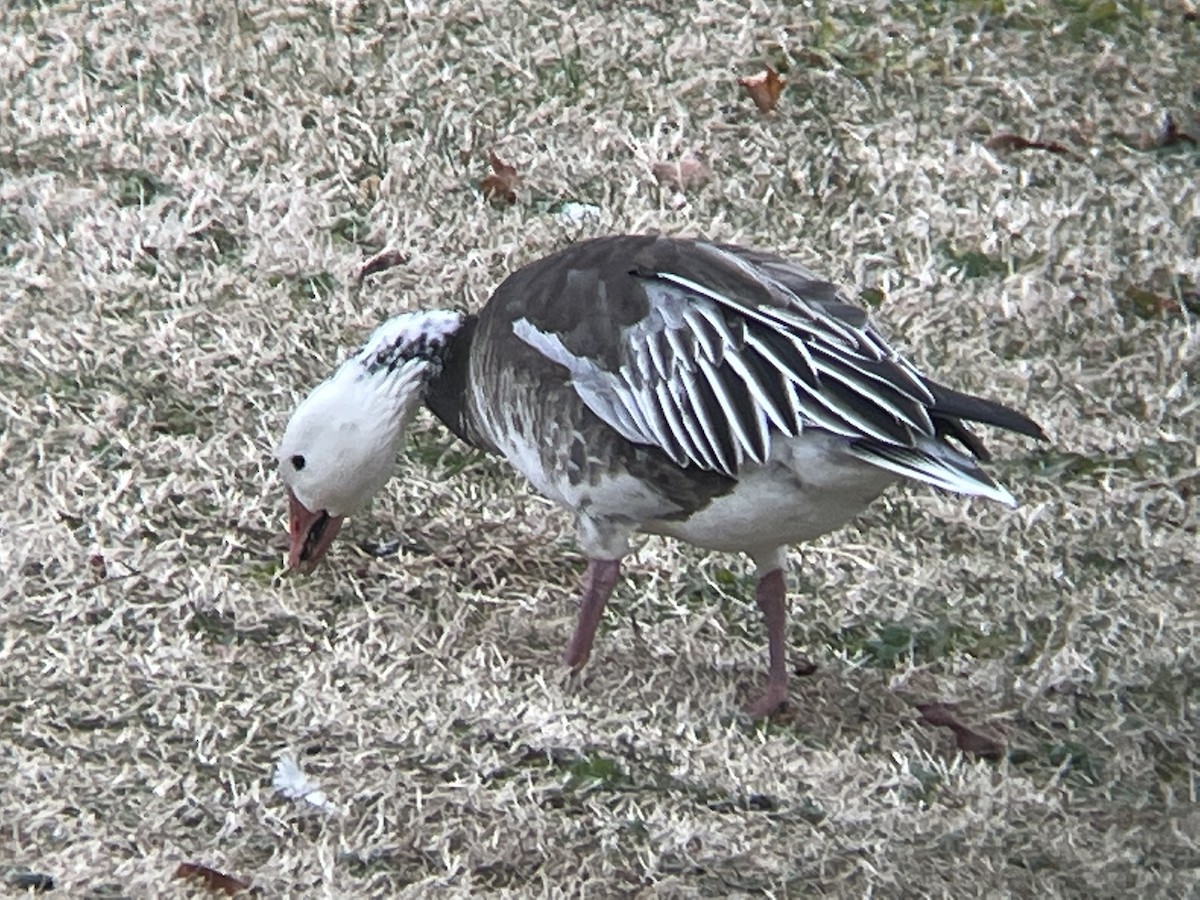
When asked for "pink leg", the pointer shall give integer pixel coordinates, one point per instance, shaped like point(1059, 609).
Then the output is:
point(771, 595)
point(598, 583)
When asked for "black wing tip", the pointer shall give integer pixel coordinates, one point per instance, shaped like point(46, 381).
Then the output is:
point(949, 403)
point(1021, 424)
point(1018, 422)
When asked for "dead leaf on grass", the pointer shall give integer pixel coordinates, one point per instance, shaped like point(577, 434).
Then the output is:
point(217, 882)
point(500, 186)
point(687, 172)
point(1006, 142)
point(764, 89)
point(381, 262)
point(968, 740)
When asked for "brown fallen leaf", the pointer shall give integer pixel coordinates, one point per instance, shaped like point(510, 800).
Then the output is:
point(1006, 142)
point(764, 89)
point(936, 714)
point(215, 881)
point(966, 739)
point(381, 262)
point(681, 175)
point(500, 186)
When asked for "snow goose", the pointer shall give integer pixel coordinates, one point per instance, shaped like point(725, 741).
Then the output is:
point(721, 396)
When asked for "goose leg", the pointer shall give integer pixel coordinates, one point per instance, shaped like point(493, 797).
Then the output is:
point(771, 595)
point(598, 583)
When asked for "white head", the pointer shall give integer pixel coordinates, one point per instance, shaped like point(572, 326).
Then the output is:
point(340, 446)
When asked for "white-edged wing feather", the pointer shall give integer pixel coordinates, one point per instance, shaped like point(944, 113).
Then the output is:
point(713, 380)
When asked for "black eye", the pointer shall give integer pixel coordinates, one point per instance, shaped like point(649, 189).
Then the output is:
point(298, 462)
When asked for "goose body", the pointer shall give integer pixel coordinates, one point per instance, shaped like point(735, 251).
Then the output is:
point(721, 396)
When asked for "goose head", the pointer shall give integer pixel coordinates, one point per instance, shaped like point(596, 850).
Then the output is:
point(340, 445)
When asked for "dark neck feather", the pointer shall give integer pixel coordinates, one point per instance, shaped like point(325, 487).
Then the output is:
point(448, 393)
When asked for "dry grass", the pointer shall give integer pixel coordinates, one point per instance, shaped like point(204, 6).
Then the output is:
point(186, 191)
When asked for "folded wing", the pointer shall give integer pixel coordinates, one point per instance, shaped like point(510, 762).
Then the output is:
point(742, 350)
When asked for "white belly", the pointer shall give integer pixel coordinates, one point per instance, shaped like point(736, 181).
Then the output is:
point(807, 489)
